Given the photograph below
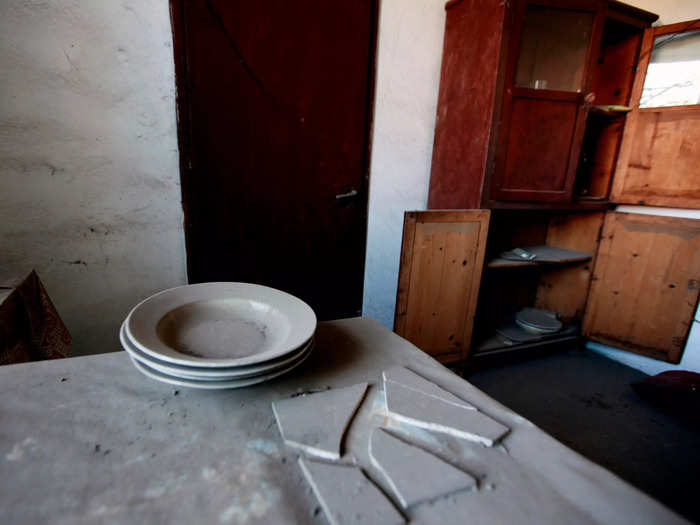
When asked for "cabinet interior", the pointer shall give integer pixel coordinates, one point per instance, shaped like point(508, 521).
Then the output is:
point(613, 77)
point(560, 287)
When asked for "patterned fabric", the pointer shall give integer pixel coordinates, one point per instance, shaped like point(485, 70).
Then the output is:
point(30, 327)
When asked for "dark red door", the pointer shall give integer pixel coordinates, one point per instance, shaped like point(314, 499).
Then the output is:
point(274, 113)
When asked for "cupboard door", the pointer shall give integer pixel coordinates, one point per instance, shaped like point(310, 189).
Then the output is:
point(544, 101)
point(538, 162)
point(660, 151)
point(441, 261)
point(645, 284)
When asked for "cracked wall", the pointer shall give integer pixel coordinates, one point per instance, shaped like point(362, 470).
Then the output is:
point(89, 175)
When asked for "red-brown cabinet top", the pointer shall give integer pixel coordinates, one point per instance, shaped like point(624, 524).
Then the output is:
point(565, 103)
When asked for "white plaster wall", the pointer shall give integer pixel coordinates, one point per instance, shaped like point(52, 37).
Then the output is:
point(89, 178)
point(408, 76)
point(670, 11)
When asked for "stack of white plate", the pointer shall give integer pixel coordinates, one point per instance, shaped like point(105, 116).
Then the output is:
point(538, 321)
point(218, 335)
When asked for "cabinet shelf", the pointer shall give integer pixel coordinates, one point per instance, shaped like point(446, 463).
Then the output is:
point(546, 255)
point(611, 110)
point(496, 344)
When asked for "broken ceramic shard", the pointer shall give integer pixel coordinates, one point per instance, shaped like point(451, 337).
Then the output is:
point(414, 474)
point(347, 496)
point(316, 423)
point(409, 379)
point(410, 406)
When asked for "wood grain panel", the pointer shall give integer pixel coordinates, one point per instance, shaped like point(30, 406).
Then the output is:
point(663, 160)
point(441, 261)
point(616, 69)
point(466, 103)
point(660, 150)
point(645, 285)
point(565, 289)
point(537, 152)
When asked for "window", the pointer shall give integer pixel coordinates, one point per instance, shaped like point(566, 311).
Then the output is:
point(553, 48)
point(673, 75)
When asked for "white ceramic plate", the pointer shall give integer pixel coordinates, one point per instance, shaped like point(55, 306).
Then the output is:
point(216, 385)
point(534, 329)
point(538, 321)
point(204, 373)
point(220, 324)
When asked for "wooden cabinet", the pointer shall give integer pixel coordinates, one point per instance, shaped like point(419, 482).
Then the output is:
point(634, 283)
point(441, 261)
point(546, 69)
point(646, 283)
point(549, 114)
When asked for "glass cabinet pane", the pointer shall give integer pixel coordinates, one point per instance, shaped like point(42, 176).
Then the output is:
point(553, 48)
point(673, 75)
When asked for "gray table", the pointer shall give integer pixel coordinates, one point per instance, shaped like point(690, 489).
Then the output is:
point(90, 440)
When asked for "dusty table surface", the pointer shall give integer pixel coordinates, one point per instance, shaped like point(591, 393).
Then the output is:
point(91, 440)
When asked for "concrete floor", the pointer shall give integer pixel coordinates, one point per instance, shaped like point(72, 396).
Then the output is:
point(585, 401)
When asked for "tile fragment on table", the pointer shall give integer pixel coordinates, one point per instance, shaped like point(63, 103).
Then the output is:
point(414, 474)
point(347, 495)
point(412, 407)
point(409, 379)
point(316, 423)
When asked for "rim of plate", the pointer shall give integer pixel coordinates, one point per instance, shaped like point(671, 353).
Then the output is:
point(151, 310)
point(214, 385)
point(537, 329)
point(204, 373)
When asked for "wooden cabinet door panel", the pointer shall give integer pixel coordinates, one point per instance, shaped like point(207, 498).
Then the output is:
point(441, 261)
point(661, 166)
point(543, 115)
point(538, 151)
point(659, 158)
point(645, 284)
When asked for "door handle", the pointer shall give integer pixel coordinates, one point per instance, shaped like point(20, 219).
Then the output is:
point(348, 195)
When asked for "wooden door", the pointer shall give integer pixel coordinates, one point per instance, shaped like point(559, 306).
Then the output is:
point(274, 104)
point(645, 284)
point(543, 116)
point(659, 160)
point(441, 261)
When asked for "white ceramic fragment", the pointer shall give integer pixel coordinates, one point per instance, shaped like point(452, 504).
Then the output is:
point(347, 496)
point(316, 423)
point(410, 406)
point(409, 379)
point(414, 474)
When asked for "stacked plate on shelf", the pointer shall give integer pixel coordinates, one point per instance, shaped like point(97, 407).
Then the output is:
point(218, 335)
point(538, 321)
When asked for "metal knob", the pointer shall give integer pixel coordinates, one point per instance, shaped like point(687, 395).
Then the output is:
point(351, 193)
